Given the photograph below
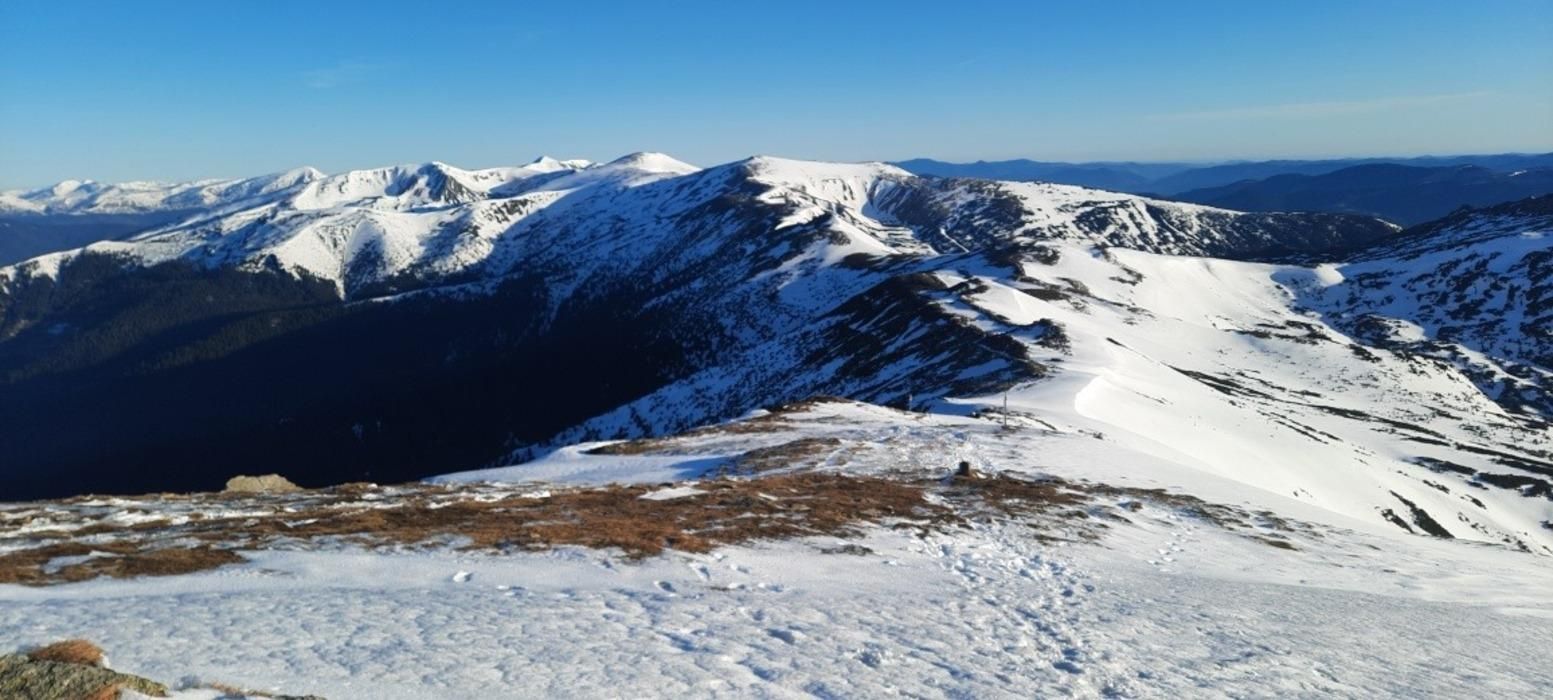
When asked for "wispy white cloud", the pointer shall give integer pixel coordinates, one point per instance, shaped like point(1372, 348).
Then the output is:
point(1319, 110)
point(338, 74)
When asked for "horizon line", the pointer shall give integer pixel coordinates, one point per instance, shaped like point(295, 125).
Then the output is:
point(1206, 162)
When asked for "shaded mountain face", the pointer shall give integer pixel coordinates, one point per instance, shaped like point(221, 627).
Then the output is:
point(401, 322)
point(1403, 194)
point(30, 235)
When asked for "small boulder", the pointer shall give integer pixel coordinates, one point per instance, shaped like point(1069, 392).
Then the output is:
point(268, 483)
point(21, 677)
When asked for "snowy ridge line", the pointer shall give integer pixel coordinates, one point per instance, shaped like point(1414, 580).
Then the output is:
point(434, 222)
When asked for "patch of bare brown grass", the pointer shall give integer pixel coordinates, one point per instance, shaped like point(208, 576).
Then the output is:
point(775, 504)
point(1011, 496)
point(1034, 501)
point(774, 420)
point(1227, 517)
point(112, 691)
point(121, 559)
point(618, 517)
point(632, 447)
point(795, 453)
point(70, 651)
point(726, 511)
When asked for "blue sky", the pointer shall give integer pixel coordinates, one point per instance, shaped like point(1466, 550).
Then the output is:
point(178, 90)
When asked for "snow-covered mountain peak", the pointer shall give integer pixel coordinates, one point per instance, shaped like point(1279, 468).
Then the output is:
point(413, 186)
point(789, 170)
point(67, 187)
point(355, 186)
point(548, 164)
point(651, 162)
point(296, 176)
point(628, 171)
point(67, 193)
point(846, 194)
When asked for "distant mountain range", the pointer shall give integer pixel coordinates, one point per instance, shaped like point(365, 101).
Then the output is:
point(1402, 190)
point(1175, 178)
point(1403, 194)
point(1117, 177)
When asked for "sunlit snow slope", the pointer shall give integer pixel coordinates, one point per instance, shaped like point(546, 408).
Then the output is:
point(1401, 381)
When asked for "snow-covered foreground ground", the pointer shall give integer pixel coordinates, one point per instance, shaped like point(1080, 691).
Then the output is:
point(1167, 609)
point(1165, 604)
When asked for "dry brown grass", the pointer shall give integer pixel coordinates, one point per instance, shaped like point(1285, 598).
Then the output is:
point(1045, 504)
point(796, 453)
point(171, 561)
point(122, 559)
point(70, 651)
point(1012, 496)
point(773, 505)
point(1227, 517)
point(727, 511)
point(618, 517)
point(774, 420)
point(26, 566)
point(632, 447)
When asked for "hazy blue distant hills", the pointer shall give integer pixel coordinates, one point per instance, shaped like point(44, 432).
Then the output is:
point(1117, 177)
point(1402, 190)
point(1228, 173)
point(1175, 178)
point(1403, 194)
